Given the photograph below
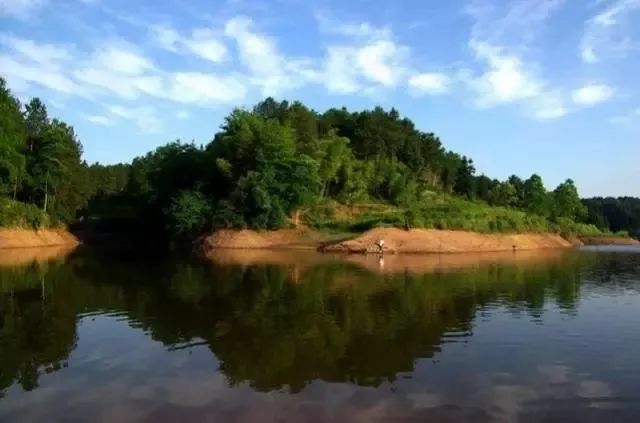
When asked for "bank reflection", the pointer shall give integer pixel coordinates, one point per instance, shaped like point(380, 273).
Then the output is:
point(273, 321)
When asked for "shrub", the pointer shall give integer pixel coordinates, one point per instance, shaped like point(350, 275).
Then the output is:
point(14, 214)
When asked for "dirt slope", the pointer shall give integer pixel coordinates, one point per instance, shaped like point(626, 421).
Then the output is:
point(296, 239)
point(24, 238)
point(436, 241)
point(396, 240)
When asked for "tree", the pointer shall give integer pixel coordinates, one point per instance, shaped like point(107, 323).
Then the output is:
point(503, 194)
point(566, 201)
point(536, 199)
point(12, 141)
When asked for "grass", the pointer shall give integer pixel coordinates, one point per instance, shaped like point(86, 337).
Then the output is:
point(440, 212)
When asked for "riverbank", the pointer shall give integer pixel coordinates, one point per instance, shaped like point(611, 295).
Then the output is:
point(415, 241)
point(26, 238)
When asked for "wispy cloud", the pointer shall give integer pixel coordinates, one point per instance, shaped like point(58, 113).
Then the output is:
point(21, 9)
point(607, 33)
point(267, 67)
point(202, 42)
point(144, 117)
point(515, 23)
point(99, 119)
point(627, 119)
point(500, 39)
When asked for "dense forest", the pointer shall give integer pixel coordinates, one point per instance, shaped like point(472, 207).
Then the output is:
point(274, 165)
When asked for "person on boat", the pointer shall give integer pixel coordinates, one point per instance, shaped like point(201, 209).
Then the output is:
point(380, 244)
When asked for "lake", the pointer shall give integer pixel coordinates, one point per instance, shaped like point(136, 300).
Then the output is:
point(301, 337)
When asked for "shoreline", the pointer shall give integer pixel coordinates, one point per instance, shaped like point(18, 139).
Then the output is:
point(414, 241)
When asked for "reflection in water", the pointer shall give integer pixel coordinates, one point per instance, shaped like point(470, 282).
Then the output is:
point(254, 336)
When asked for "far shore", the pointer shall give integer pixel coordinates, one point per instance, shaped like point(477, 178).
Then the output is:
point(414, 241)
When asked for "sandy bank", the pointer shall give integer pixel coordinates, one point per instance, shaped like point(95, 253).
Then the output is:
point(24, 238)
point(436, 241)
point(396, 241)
point(609, 240)
point(287, 239)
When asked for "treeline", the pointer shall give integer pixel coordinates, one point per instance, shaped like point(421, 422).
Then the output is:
point(615, 214)
point(268, 164)
point(43, 180)
point(265, 168)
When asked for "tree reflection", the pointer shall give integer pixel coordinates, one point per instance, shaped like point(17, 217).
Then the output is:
point(273, 326)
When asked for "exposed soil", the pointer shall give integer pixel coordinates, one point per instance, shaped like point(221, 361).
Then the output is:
point(436, 241)
point(395, 241)
point(290, 239)
point(609, 240)
point(24, 238)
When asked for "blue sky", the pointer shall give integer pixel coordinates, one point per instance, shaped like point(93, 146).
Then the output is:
point(521, 86)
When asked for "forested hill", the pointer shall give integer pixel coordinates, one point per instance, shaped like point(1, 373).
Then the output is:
point(266, 166)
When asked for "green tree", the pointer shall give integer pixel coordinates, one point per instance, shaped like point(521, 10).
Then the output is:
point(503, 194)
point(536, 199)
point(566, 201)
point(12, 141)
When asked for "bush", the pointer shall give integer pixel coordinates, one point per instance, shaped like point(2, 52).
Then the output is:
point(189, 214)
point(14, 214)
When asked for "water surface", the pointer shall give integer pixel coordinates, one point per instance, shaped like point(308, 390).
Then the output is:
point(299, 337)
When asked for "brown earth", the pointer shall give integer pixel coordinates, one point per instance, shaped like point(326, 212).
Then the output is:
point(290, 239)
point(25, 238)
point(609, 240)
point(437, 241)
point(396, 241)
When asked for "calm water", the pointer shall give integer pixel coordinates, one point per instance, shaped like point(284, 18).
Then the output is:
point(308, 338)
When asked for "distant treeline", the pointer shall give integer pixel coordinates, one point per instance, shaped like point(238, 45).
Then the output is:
point(264, 167)
point(615, 214)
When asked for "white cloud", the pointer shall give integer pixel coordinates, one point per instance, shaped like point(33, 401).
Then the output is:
point(506, 79)
point(204, 43)
point(28, 62)
point(548, 106)
point(144, 117)
point(501, 38)
point(592, 94)
point(381, 62)
point(341, 77)
point(268, 68)
point(99, 119)
point(196, 87)
point(183, 114)
point(365, 60)
point(121, 60)
point(429, 83)
point(607, 32)
point(20, 9)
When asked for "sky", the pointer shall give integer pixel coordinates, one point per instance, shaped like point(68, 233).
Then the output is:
point(521, 86)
